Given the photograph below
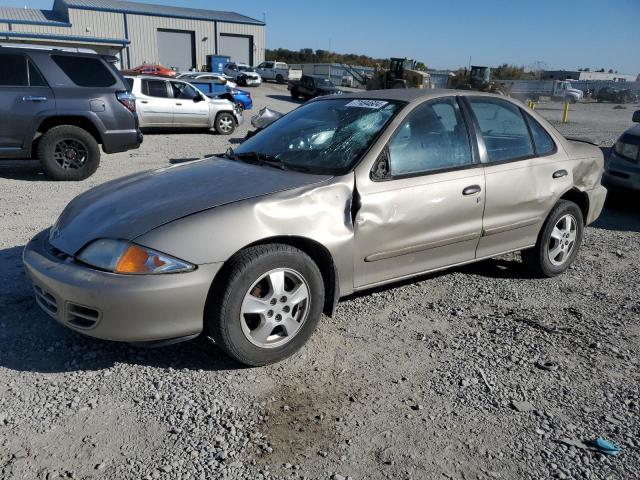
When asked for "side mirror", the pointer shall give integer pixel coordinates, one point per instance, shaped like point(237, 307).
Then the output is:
point(636, 116)
point(197, 99)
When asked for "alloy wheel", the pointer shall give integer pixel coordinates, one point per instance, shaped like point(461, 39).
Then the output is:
point(70, 154)
point(562, 240)
point(226, 124)
point(274, 308)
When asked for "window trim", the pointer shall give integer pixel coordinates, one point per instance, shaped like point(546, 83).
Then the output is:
point(35, 67)
point(475, 158)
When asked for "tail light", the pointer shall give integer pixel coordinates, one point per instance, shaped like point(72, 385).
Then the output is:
point(127, 99)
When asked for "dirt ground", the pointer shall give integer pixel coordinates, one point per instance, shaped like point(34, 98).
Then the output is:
point(474, 373)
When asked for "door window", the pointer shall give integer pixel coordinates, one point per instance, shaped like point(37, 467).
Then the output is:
point(155, 88)
point(541, 138)
point(184, 91)
point(14, 71)
point(503, 129)
point(433, 137)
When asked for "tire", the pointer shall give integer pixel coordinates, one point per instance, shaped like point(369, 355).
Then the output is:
point(240, 334)
point(240, 106)
point(279, 78)
point(68, 153)
point(295, 94)
point(225, 123)
point(538, 259)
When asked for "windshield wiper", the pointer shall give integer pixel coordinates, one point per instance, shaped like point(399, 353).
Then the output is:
point(255, 157)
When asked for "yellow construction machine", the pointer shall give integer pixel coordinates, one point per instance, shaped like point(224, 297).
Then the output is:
point(402, 73)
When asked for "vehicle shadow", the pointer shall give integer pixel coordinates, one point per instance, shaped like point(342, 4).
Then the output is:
point(24, 170)
point(286, 98)
point(621, 211)
point(31, 341)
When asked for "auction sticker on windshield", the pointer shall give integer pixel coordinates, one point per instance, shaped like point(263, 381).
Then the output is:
point(375, 104)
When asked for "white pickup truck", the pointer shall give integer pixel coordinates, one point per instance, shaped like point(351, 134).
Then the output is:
point(278, 71)
point(535, 89)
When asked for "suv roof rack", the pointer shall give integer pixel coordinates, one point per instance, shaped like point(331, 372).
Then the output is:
point(47, 47)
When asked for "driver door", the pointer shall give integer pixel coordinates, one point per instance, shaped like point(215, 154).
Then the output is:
point(190, 109)
point(421, 205)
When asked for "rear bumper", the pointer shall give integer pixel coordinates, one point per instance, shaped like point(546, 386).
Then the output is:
point(621, 173)
point(115, 141)
point(597, 196)
point(130, 308)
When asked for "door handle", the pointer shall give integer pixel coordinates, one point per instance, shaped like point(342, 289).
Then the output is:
point(178, 103)
point(143, 101)
point(560, 173)
point(471, 190)
point(34, 98)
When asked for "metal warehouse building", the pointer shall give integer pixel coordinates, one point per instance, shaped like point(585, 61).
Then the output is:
point(176, 37)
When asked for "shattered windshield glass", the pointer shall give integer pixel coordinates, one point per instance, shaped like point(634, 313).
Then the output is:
point(325, 137)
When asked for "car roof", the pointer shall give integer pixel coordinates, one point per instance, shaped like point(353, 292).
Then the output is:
point(414, 94)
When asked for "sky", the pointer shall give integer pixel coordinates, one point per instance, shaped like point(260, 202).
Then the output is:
point(563, 34)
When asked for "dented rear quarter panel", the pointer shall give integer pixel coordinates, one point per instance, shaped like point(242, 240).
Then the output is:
point(320, 212)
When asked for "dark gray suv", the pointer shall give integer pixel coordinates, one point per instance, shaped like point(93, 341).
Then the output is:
point(60, 105)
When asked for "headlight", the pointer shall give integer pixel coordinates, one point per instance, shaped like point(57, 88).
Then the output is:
point(627, 150)
point(120, 256)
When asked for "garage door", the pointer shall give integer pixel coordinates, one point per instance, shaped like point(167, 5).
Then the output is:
point(236, 47)
point(176, 49)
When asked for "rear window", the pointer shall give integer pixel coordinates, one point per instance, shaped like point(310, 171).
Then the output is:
point(129, 83)
point(155, 88)
point(85, 71)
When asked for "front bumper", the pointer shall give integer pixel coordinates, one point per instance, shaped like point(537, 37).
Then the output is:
point(129, 308)
point(253, 82)
point(622, 173)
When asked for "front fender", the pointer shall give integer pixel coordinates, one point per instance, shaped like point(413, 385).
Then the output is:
point(319, 212)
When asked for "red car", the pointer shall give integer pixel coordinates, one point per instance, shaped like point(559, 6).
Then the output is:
point(150, 69)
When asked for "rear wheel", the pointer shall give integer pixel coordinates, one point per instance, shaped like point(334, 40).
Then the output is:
point(558, 242)
point(279, 78)
point(270, 304)
point(225, 123)
point(68, 152)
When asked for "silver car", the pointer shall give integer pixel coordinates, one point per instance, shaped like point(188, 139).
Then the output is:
point(341, 195)
point(171, 103)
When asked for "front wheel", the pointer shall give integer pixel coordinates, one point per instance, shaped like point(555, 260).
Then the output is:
point(295, 94)
point(225, 123)
point(68, 152)
point(558, 242)
point(269, 306)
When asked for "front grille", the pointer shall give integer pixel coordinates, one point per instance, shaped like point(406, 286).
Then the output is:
point(618, 174)
point(46, 301)
point(82, 317)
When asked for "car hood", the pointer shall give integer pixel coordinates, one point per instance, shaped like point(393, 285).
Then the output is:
point(132, 206)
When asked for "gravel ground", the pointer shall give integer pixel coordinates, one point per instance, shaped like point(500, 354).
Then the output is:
point(479, 372)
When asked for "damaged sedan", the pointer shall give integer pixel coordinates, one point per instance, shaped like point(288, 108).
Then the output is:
point(343, 194)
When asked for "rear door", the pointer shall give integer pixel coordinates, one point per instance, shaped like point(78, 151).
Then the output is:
point(189, 107)
point(155, 105)
point(525, 175)
point(24, 96)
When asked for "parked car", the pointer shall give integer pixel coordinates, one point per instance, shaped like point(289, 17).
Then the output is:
point(243, 74)
point(340, 195)
point(615, 95)
point(240, 98)
point(173, 103)
point(311, 86)
point(278, 71)
point(208, 77)
point(59, 105)
point(622, 168)
point(150, 69)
